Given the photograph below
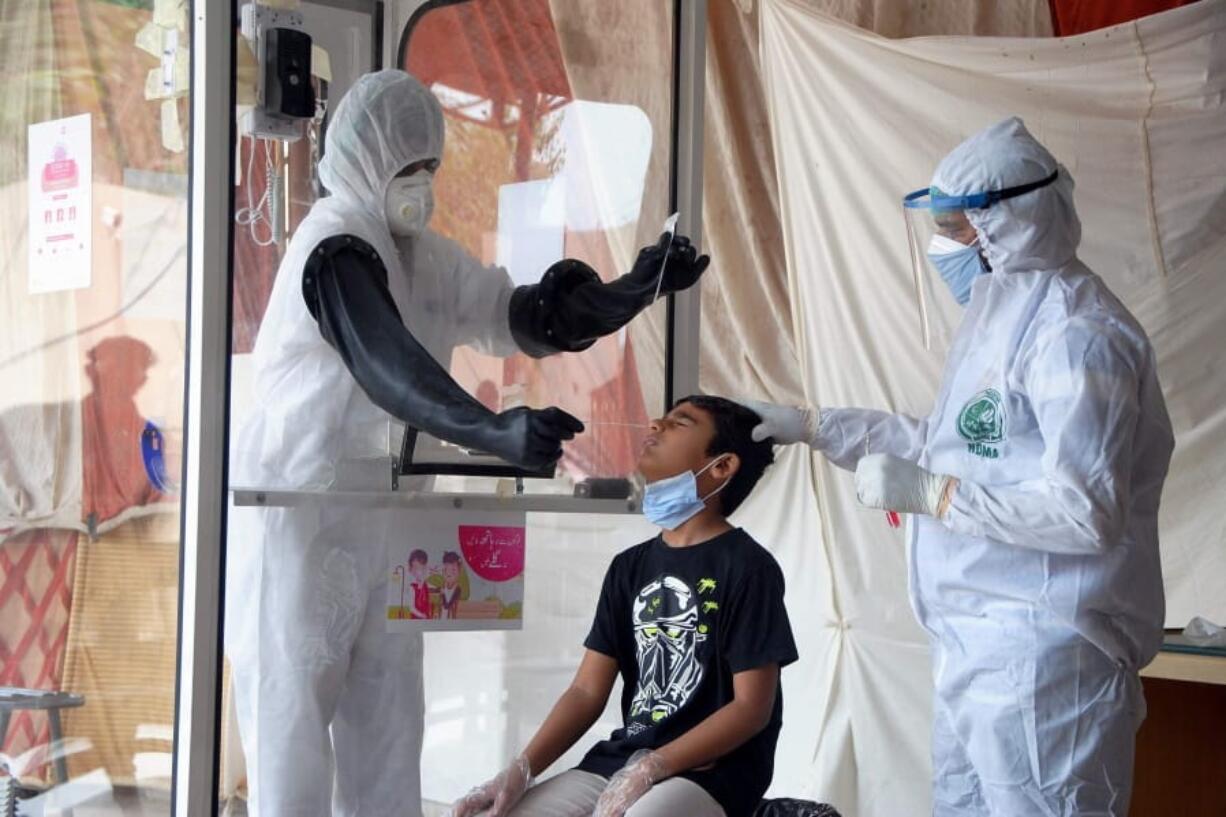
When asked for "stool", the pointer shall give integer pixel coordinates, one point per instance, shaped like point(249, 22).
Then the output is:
point(13, 699)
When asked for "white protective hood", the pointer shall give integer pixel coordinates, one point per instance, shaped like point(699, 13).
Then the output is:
point(1034, 231)
point(310, 412)
point(386, 121)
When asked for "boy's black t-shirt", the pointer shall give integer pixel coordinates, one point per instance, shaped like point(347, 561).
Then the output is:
point(681, 622)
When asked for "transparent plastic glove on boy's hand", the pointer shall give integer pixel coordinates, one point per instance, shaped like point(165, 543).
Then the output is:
point(498, 796)
point(632, 781)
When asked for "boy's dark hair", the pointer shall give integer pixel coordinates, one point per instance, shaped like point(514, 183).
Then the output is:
point(451, 558)
point(419, 556)
point(734, 425)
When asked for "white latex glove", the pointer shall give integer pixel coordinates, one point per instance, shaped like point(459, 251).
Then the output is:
point(631, 782)
point(784, 424)
point(894, 484)
point(498, 795)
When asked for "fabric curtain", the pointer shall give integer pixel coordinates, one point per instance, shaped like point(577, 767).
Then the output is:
point(747, 332)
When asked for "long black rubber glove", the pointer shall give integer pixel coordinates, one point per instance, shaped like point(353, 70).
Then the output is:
point(345, 288)
point(571, 307)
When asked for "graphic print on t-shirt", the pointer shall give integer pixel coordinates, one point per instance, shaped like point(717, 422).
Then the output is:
point(667, 633)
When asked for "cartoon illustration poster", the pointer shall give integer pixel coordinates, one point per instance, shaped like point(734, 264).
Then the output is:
point(458, 570)
point(60, 190)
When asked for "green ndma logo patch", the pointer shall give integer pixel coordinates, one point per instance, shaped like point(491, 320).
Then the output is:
point(982, 423)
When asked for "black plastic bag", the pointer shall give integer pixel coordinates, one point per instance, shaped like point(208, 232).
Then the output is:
point(787, 807)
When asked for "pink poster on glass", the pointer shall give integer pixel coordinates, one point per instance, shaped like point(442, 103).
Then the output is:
point(458, 570)
point(61, 215)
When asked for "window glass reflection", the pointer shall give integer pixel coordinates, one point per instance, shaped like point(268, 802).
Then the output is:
point(93, 217)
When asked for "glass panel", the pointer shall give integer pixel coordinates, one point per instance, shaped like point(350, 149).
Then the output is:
point(275, 186)
point(93, 218)
point(558, 137)
point(558, 144)
point(569, 158)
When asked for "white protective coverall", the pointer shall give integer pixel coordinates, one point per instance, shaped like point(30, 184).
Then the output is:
point(1041, 588)
point(330, 705)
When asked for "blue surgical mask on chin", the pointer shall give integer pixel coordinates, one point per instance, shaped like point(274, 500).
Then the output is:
point(670, 503)
point(958, 270)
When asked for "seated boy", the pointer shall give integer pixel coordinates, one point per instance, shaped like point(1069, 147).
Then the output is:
point(694, 622)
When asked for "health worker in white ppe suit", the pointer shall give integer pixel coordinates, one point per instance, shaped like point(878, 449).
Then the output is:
point(366, 304)
point(1035, 482)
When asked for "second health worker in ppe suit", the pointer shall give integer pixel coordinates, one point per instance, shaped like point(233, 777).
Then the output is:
point(366, 303)
point(1036, 480)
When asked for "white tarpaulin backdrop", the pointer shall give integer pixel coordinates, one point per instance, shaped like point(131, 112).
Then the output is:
point(1136, 114)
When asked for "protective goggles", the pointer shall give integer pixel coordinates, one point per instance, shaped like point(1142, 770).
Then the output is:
point(946, 259)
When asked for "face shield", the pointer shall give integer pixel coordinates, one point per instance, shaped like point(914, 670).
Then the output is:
point(946, 257)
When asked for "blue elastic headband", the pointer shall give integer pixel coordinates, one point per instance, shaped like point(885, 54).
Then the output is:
point(975, 201)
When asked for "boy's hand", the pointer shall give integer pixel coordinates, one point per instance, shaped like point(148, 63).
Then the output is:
point(498, 795)
point(642, 771)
